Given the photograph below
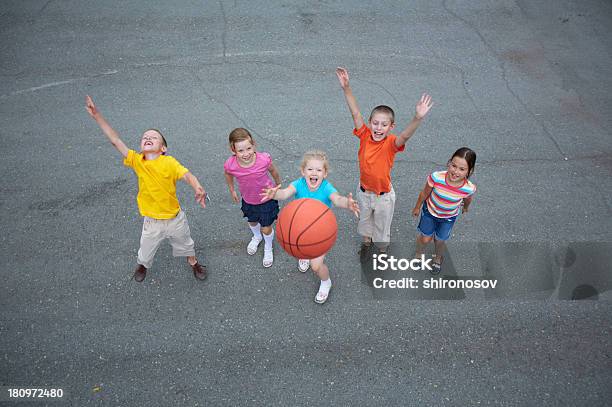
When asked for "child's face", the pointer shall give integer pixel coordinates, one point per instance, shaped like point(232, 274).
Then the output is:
point(245, 152)
point(457, 169)
point(381, 125)
point(314, 173)
point(151, 142)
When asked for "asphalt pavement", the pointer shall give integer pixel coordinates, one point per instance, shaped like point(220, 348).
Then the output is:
point(526, 84)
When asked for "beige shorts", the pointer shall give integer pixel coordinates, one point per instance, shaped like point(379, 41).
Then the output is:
point(154, 231)
point(376, 214)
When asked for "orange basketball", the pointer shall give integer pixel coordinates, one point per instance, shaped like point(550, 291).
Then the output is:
point(306, 228)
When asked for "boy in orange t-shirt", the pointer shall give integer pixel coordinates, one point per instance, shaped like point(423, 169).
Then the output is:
point(377, 149)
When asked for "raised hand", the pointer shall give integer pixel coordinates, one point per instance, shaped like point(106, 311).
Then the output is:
point(268, 193)
point(343, 77)
point(91, 107)
point(423, 106)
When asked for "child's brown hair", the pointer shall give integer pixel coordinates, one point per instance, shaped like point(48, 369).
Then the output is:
point(239, 134)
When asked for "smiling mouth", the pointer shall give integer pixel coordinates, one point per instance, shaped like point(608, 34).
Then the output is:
point(148, 143)
point(313, 180)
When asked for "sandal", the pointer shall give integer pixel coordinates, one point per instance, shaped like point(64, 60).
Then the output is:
point(436, 267)
point(253, 244)
point(303, 265)
point(268, 258)
point(322, 296)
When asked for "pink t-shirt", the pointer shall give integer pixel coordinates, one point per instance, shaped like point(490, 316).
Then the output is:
point(253, 179)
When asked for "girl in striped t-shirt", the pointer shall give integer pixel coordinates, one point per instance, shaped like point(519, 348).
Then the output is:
point(440, 200)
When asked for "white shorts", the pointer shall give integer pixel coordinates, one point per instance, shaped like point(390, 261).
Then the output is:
point(154, 231)
point(376, 214)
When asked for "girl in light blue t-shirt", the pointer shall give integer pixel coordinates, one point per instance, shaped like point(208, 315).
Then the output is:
point(314, 185)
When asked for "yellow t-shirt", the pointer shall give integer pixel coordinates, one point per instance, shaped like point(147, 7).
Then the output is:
point(156, 184)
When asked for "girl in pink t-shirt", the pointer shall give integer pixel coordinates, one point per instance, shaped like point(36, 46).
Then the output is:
point(252, 170)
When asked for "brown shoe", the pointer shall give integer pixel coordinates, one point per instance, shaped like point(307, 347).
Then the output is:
point(140, 273)
point(199, 271)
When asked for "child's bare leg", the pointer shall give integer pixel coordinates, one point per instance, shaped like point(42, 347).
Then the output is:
point(266, 230)
point(421, 243)
point(192, 260)
point(440, 247)
point(320, 268)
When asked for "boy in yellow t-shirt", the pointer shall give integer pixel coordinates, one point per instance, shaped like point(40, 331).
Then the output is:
point(157, 175)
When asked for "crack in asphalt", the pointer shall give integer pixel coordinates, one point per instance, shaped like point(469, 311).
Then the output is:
point(272, 143)
point(224, 32)
point(502, 66)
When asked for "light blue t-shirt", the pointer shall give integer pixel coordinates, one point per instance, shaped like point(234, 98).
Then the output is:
point(321, 194)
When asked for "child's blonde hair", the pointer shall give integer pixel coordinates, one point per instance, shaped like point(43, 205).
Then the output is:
point(238, 135)
point(315, 155)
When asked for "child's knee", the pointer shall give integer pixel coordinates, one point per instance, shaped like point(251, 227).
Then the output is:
point(426, 239)
point(317, 265)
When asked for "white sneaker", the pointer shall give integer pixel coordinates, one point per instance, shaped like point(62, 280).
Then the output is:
point(268, 258)
point(322, 295)
point(303, 265)
point(252, 246)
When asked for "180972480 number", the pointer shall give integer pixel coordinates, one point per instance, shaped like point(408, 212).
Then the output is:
point(33, 392)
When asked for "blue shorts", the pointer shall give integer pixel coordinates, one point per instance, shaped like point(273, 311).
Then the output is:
point(265, 214)
point(430, 225)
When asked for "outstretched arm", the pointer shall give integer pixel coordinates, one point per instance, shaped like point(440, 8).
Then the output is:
point(110, 133)
point(277, 193)
point(423, 195)
point(422, 108)
point(343, 77)
point(346, 202)
point(200, 194)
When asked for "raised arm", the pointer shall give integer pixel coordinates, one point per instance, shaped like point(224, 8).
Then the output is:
point(200, 193)
point(423, 195)
point(110, 133)
point(277, 193)
point(346, 202)
point(422, 108)
point(343, 78)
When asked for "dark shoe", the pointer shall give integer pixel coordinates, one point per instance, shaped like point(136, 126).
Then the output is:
point(199, 271)
point(140, 273)
point(436, 268)
point(364, 252)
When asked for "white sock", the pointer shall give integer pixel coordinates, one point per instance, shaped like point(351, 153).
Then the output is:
point(256, 230)
point(268, 239)
point(325, 285)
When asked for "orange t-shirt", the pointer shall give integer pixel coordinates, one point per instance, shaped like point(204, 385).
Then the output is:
point(376, 160)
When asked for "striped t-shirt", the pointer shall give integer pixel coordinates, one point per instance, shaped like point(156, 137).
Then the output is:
point(445, 199)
